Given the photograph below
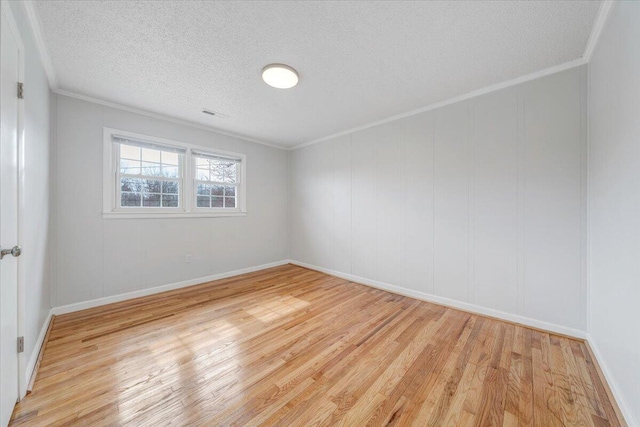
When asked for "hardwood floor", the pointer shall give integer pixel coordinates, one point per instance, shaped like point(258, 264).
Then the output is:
point(294, 347)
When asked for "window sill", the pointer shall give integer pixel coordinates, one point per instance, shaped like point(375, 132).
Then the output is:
point(161, 215)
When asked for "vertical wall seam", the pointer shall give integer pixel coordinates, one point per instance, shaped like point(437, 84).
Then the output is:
point(102, 251)
point(518, 199)
point(581, 181)
point(333, 261)
point(404, 201)
point(351, 204)
point(376, 200)
point(53, 146)
point(433, 195)
point(518, 225)
point(588, 202)
point(290, 200)
point(470, 178)
point(584, 196)
point(580, 187)
point(521, 200)
point(524, 200)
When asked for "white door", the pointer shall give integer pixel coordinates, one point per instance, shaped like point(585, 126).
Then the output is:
point(9, 73)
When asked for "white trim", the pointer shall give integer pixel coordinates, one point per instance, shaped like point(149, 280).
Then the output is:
point(21, 304)
point(36, 29)
point(70, 308)
point(526, 321)
point(164, 117)
point(624, 408)
point(239, 184)
point(473, 94)
point(596, 31)
point(114, 169)
point(33, 359)
point(613, 385)
point(173, 143)
point(594, 38)
point(53, 83)
point(150, 215)
point(188, 209)
point(47, 62)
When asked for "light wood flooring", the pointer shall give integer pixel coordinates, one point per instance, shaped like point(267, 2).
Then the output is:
point(294, 347)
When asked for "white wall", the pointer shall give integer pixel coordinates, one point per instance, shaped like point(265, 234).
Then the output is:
point(482, 202)
point(98, 257)
point(614, 203)
point(36, 248)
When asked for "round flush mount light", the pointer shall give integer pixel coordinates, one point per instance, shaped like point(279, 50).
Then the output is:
point(280, 76)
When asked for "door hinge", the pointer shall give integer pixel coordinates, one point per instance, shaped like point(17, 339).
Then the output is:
point(20, 90)
point(20, 344)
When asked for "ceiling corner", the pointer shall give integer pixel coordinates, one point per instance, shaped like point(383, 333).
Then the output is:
point(38, 37)
point(596, 31)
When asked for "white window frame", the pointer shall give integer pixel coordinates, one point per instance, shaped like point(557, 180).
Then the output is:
point(188, 182)
point(195, 182)
point(118, 175)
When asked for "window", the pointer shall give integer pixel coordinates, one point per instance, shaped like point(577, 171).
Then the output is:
point(216, 181)
point(152, 177)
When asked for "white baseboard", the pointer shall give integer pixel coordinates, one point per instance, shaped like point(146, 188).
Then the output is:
point(526, 321)
point(70, 308)
point(33, 359)
point(515, 318)
point(56, 311)
point(613, 384)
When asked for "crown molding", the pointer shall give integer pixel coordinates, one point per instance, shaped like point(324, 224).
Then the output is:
point(38, 37)
point(598, 26)
point(34, 22)
point(164, 117)
point(469, 95)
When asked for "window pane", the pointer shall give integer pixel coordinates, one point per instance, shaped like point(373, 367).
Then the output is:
point(169, 201)
point(169, 158)
point(151, 169)
point(202, 175)
point(151, 200)
point(129, 152)
point(216, 202)
point(204, 189)
point(170, 171)
point(131, 167)
point(203, 201)
point(149, 155)
point(229, 172)
point(170, 187)
point(218, 190)
point(152, 186)
point(130, 184)
point(217, 171)
point(130, 199)
point(164, 170)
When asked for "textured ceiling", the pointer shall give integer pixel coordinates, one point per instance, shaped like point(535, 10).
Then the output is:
point(359, 62)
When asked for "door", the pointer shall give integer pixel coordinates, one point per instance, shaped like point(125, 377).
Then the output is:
point(9, 74)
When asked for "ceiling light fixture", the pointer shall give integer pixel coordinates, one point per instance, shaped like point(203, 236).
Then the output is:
point(280, 76)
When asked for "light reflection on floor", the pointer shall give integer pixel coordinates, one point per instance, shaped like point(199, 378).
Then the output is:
point(203, 374)
point(276, 307)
